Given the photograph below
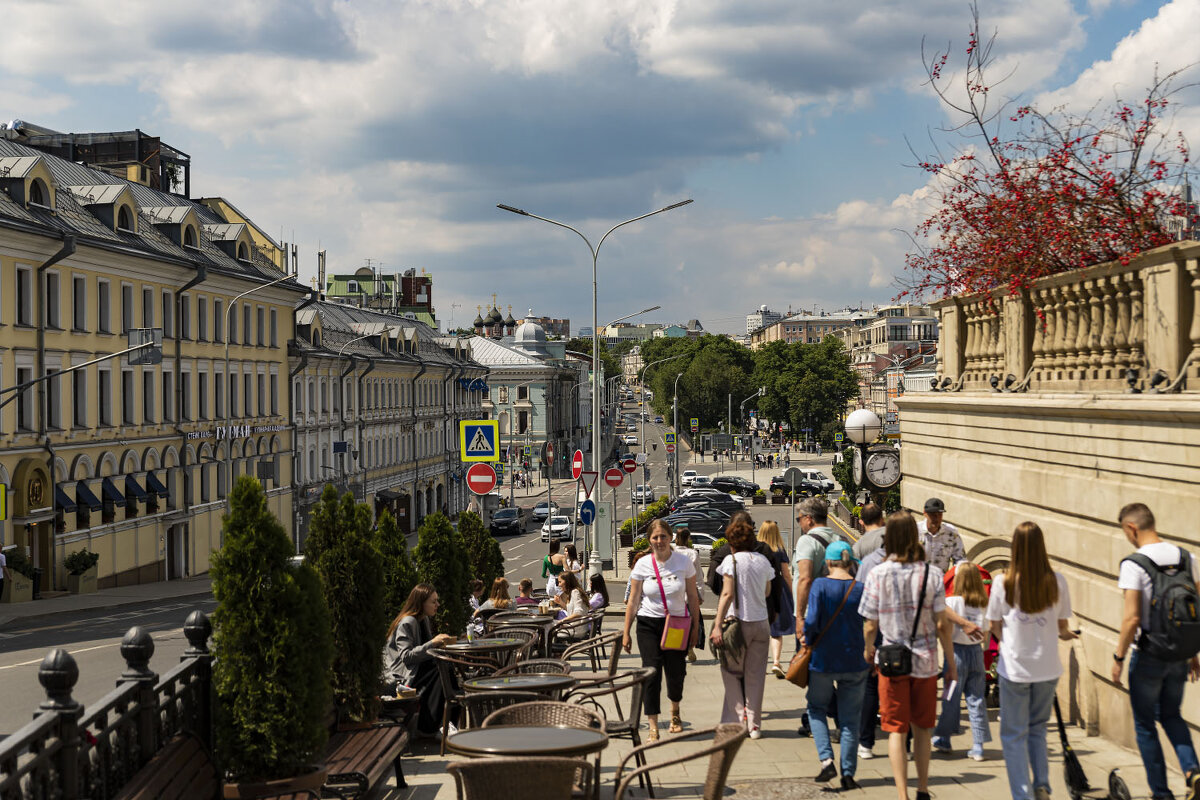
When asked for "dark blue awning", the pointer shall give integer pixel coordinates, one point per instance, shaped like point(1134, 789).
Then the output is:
point(62, 501)
point(154, 485)
point(86, 497)
point(112, 493)
point(132, 487)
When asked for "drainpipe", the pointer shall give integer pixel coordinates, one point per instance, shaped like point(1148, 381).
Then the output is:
point(344, 402)
point(416, 456)
point(291, 415)
point(362, 446)
point(453, 379)
point(68, 248)
point(201, 276)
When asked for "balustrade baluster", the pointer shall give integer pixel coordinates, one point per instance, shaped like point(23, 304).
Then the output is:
point(1121, 287)
point(971, 327)
point(1040, 300)
point(1095, 328)
point(1057, 343)
point(1193, 266)
point(1108, 335)
point(1071, 333)
point(1137, 327)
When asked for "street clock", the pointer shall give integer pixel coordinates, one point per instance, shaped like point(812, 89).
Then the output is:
point(858, 467)
point(883, 468)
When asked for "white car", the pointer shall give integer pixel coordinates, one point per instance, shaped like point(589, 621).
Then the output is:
point(701, 482)
point(558, 529)
point(687, 477)
point(643, 493)
point(819, 478)
point(631, 439)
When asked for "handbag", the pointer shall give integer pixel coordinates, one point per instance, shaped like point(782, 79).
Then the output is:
point(797, 671)
point(733, 641)
point(895, 660)
point(678, 628)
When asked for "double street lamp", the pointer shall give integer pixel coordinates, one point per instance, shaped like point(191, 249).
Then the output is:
point(594, 560)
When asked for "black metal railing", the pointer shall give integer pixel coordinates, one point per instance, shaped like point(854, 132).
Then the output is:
point(66, 753)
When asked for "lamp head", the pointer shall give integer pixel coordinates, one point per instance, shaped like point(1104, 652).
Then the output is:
point(863, 426)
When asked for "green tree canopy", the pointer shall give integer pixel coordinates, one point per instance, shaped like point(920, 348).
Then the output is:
point(441, 560)
point(399, 574)
point(611, 361)
point(483, 551)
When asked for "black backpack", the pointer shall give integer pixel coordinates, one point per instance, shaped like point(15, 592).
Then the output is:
point(1172, 633)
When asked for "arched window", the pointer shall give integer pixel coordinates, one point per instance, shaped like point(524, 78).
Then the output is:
point(299, 398)
point(37, 193)
point(243, 252)
point(124, 219)
point(189, 236)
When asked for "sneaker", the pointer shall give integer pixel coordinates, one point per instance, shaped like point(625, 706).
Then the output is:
point(849, 783)
point(755, 733)
point(942, 746)
point(865, 753)
point(922, 795)
point(975, 755)
point(804, 732)
point(1041, 793)
point(778, 672)
point(828, 772)
point(1193, 784)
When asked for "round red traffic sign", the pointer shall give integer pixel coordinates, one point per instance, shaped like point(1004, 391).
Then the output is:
point(628, 464)
point(670, 448)
point(549, 451)
point(481, 478)
point(613, 477)
point(577, 464)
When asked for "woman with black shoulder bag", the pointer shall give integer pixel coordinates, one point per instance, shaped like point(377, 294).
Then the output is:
point(741, 634)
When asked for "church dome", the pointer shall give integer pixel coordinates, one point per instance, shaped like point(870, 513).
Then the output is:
point(530, 337)
point(493, 317)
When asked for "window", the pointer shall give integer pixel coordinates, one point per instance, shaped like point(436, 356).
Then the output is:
point(274, 328)
point(25, 400)
point(126, 307)
point(522, 393)
point(218, 320)
point(352, 287)
point(233, 395)
point(262, 395)
point(37, 193)
point(148, 395)
point(219, 395)
point(202, 319)
point(324, 397)
point(189, 236)
point(233, 318)
point(246, 324)
point(78, 303)
point(52, 317)
point(337, 399)
point(79, 398)
point(104, 402)
point(168, 318)
point(262, 327)
point(127, 401)
point(247, 401)
point(243, 252)
point(168, 396)
point(202, 394)
point(185, 395)
point(147, 307)
point(522, 421)
point(103, 307)
point(274, 395)
point(53, 400)
point(124, 219)
point(312, 398)
point(24, 296)
point(185, 317)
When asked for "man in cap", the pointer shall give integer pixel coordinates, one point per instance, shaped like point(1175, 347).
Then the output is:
point(943, 546)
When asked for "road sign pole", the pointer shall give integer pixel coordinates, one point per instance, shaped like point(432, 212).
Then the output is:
point(616, 561)
point(792, 543)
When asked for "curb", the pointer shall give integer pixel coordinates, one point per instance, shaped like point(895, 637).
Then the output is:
point(18, 622)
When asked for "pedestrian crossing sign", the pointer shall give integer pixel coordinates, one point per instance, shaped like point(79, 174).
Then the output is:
point(478, 440)
point(669, 437)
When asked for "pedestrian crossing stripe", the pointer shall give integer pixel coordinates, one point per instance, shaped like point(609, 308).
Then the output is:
point(478, 440)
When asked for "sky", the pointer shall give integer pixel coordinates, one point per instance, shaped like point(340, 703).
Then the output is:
point(389, 130)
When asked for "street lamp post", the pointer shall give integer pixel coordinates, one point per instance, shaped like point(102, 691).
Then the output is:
point(642, 421)
point(675, 425)
point(594, 559)
point(762, 390)
point(229, 382)
point(863, 427)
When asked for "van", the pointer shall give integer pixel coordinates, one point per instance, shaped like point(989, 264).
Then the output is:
point(817, 477)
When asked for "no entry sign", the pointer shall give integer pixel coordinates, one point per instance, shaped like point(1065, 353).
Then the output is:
point(629, 464)
point(481, 478)
point(577, 464)
point(670, 448)
point(613, 477)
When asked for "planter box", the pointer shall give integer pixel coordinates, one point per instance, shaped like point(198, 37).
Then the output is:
point(17, 589)
point(84, 583)
point(778, 500)
point(759, 501)
point(625, 539)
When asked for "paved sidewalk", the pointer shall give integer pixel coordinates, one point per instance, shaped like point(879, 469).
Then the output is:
point(781, 765)
point(14, 615)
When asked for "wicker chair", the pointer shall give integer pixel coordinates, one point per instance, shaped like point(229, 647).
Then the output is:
point(727, 739)
point(452, 671)
point(477, 706)
point(543, 778)
point(620, 726)
point(537, 666)
point(594, 648)
point(555, 714)
point(531, 636)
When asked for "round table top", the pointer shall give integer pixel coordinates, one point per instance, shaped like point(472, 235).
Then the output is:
point(489, 643)
point(535, 681)
point(524, 619)
point(527, 740)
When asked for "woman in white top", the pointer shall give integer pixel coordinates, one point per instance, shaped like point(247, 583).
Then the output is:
point(970, 602)
point(572, 563)
point(572, 604)
point(683, 544)
point(744, 677)
point(661, 574)
point(1028, 612)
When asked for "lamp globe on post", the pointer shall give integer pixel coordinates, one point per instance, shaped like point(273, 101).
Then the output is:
point(863, 427)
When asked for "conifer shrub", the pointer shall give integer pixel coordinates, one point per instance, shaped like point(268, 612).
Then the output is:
point(483, 551)
point(271, 645)
point(341, 547)
point(441, 560)
point(399, 574)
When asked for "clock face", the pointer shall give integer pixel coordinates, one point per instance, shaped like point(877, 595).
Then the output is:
point(883, 469)
point(858, 466)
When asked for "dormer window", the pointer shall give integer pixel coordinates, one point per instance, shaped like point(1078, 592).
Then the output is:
point(189, 236)
point(124, 219)
point(243, 252)
point(316, 338)
point(37, 193)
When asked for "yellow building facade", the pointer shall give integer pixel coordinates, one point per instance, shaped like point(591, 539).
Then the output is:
point(126, 460)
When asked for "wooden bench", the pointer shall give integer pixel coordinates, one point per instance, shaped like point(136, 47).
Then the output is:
point(183, 770)
point(358, 759)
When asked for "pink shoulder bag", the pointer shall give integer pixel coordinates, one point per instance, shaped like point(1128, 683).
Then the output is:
point(677, 632)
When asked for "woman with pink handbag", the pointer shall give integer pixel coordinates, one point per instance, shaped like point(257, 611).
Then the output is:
point(664, 599)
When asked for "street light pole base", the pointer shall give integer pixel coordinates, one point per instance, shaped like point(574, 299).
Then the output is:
point(594, 565)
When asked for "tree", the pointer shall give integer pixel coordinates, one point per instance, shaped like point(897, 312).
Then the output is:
point(483, 551)
point(341, 548)
point(611, 363)
point(271, 645)
point(441, 560)
point(713, 367)
point(399, 574)
point(1026, 193)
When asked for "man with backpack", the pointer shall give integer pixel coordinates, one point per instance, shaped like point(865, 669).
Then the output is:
point(1162, 614)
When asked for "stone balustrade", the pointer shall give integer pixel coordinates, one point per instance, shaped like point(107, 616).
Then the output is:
point(1107, 328)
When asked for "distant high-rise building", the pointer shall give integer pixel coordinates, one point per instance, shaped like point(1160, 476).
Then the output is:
point(761, 319)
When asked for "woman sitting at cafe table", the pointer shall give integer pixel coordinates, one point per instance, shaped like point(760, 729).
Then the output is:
point(498, 599)
point(407, 661)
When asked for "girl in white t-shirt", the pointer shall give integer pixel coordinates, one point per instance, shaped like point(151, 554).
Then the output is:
point(646, 603)
point(970, 602)
point(1028, 612)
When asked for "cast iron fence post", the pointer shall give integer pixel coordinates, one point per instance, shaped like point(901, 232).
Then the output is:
point(136, 648)
point(197, 629)
point(58, 675)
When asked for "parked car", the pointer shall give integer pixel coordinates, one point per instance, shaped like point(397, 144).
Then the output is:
point(541, 511)
point(558, 528)
point(687, 477)
point(804, 488)
point(733, 483)
point(507, 521)
point(726, 505)
point(643, 493)
point(631, 439)
point(711, 527)
point(658, 420)
point(701, 481)
point(819, 478)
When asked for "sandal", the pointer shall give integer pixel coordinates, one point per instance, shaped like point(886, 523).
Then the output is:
point(652, 734)
point(676, 724)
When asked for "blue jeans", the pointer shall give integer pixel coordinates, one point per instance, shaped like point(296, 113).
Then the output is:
point(1024, 711)
point(972, 683)
point(849, 693)
point(1155, 691)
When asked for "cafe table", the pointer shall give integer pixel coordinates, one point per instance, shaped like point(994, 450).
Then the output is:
point(540, 622)
point(552, 685)
point(500, 648)
point(528, 740)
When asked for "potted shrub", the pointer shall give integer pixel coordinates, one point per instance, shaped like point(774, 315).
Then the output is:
point(341, 548)
point(483, 551)
point(441, 560)
point(19, 586)
point(272, 655)
point(399, 575)
point(760, 498)
point(642, 543)
point(625, 534)
point(81, 571)
point(779, 498)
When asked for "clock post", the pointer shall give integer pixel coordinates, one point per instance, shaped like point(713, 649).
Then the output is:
point(875, 467)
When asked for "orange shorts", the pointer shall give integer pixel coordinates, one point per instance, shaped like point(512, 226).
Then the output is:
point(907, 700)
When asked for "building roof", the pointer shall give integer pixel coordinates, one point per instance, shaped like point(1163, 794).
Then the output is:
point(492, 353)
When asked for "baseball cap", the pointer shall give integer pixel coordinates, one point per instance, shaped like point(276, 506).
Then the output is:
point(835, 549)
point(934, 506)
